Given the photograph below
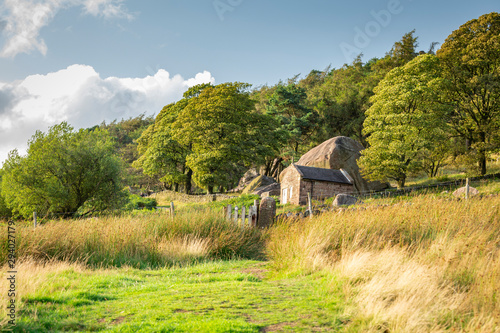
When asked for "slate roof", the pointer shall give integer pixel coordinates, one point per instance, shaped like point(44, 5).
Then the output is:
point(320, 174)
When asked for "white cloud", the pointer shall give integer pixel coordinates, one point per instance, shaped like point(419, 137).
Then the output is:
point(81, 97)
point(23, 20)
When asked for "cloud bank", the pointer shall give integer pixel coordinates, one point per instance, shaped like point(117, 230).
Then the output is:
point(81, 97)
point(22, 20)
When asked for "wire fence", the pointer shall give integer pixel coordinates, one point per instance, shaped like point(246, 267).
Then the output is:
point(449, 185)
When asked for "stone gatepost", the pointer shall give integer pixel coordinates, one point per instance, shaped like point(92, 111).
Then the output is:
point(267, 212)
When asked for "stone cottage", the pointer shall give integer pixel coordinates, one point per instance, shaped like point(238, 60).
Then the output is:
point(298, 180)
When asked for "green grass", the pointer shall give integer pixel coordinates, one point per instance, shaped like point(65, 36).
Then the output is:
point(231, 296)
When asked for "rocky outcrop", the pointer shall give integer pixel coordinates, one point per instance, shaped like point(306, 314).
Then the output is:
point(269, 190)
point(341, 152)
point(257, 183)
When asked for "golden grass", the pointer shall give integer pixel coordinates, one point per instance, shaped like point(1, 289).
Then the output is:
point(429, 266)
point(33, 275)
point(152, 240)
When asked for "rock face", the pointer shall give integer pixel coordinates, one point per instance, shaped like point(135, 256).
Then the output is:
point(460, 193)
point(344, 200)
point(267, 212)
point(266, 191)
point(341, 152)
point(258, 182)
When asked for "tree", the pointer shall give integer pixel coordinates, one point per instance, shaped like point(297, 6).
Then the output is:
point(5, 212)
point(471, 61)
point(125, 134)
point(342, 100)
point(288, 106)
point(403, 121)
point(64, 172)
point(402, 52)
point(224, 133)
point(160, 154)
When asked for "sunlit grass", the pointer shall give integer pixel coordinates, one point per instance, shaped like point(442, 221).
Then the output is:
point(432, 264)
point(148, 240)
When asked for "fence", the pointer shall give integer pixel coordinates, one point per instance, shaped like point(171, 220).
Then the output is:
point(408, 190)
point(243, 216)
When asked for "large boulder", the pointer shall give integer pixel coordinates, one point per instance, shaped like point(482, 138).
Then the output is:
point(341, 152)
point(269, 190)
point(461, 192)
point(247, 178)
point(258, 182)
point(344, 200)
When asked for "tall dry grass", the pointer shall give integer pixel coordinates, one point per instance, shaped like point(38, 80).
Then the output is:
point(429, 266)
point(152, 240)
point(33, 276)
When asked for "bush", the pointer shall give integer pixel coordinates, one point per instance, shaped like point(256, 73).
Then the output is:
point(137, 202)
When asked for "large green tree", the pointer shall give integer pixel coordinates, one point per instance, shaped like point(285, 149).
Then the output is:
point(296, 120)
point(342, 100)
point(64, 172)
point(160, 153)
point(471, 61)
point(224, 133)
point(403, 121)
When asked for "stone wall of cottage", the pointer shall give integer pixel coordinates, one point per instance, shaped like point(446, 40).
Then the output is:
point(297, 188)
point(321, 190)
point(290, 184)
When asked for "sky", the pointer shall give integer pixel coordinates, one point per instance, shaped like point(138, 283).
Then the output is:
point(89, 61)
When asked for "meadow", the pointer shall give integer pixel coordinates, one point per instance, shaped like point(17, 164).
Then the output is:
point(429, 263)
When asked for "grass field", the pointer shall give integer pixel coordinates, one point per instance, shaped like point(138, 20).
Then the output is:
point(230, 296)
point(416, 264)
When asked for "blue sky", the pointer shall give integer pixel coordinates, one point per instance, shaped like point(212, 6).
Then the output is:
point(85, 61)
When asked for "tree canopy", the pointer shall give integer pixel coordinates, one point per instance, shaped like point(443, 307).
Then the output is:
point(403, 122)
point(64, 172)
point(224, 132)
point(471, 62)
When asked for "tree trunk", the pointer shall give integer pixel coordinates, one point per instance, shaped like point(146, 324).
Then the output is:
point(401, 183)
point(482, 162)
point(210, 189)
point(189, 176)
point(482, 154)
point(176, 187)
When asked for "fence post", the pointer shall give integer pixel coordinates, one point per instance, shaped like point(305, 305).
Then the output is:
point(243, 216)
point(34, 219)
point(172, 209)
point(467, 189)
point(309, 203)
point(229, 211)
point(236, 215)
point(256, 204)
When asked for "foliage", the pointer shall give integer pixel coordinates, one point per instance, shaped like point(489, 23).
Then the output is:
point(160, 154)
point(295, 119)
point(403, 123)
point(471, 62)
point(125, 134)
point(342, 100)
point(137, 202)
point(64, 172)
point(224, 133)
